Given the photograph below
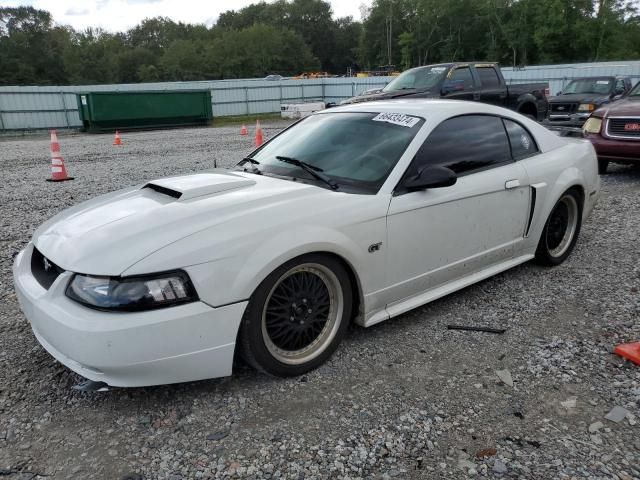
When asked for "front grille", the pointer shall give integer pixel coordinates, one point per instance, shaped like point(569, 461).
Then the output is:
point(624, 127)
point(563, 108)
point(44, 270)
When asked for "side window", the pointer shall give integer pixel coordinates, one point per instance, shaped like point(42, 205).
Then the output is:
point(463, 75)
point(522, 143)
point(464, 144)
point(620, 85)
point(488, 77)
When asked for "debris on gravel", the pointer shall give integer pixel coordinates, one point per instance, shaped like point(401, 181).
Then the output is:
point(404, 399)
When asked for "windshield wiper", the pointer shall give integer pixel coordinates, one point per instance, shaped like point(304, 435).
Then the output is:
point(253, 163)
point(310, 169)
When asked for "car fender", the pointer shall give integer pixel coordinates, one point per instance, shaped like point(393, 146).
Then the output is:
point(247, 272)
point(571, 177)
point(238, 267)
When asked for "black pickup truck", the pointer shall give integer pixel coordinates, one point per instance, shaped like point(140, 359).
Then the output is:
point(481, 82)
point(572, 106)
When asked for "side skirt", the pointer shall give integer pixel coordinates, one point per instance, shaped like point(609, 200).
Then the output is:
point(402, 306)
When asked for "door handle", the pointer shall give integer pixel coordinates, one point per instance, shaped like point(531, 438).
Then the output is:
point(511, 184)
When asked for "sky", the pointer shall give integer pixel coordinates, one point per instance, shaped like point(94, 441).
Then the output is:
point(120, 15)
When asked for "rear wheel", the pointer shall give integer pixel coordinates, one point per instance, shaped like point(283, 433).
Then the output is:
point(297, 317)
point(602, 166)
point(561, 230)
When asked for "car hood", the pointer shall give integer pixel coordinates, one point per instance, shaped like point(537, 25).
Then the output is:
point(626, 106)
point(581, 98)
point(108, 234)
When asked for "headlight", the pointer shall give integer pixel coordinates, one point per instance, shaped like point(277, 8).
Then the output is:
point(592, 125)
point(132, 293)
point(586, 107)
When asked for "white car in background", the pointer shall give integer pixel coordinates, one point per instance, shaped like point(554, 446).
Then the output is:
point(357, 213)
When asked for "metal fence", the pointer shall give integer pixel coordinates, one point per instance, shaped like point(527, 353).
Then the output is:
point(29, 108)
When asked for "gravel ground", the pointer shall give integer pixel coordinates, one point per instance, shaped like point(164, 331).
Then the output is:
point(405, 399)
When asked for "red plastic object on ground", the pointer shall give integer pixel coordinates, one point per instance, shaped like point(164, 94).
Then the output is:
point(630, 351)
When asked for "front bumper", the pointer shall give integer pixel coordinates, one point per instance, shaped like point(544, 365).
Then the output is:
point(615, 150)
point(176, 344)
point(574, 120)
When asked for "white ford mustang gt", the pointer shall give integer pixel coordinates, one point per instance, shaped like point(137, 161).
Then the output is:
point(357, 213)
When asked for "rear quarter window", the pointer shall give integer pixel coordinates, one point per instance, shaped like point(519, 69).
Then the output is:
point(522, 142)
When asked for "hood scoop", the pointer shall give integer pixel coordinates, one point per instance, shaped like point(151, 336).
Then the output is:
point(186, 187)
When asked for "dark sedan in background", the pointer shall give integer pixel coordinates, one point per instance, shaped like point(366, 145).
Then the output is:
point(571, 107)
point(614, 131)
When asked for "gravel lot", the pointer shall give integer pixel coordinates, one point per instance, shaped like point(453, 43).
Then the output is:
point(405, 399)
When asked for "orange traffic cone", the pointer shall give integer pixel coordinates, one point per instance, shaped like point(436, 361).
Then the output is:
point(58, 172)
point(117, 140)
point(259, 136)
point(243, 130)
point(630, 351)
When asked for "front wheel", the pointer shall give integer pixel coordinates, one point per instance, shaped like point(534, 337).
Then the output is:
point(297, 317)
point(561, 231)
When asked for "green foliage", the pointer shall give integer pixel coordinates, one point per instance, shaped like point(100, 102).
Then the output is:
point(292, 36)
point(514, 32)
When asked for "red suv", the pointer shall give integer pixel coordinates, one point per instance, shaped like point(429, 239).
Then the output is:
point(614, 130)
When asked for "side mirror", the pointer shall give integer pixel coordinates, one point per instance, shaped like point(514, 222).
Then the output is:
point(431, 177)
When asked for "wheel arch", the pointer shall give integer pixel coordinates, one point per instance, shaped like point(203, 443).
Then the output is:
point(354, 279)
point(527, 107)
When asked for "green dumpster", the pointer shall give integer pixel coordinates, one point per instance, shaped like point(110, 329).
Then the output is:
point(101, 111)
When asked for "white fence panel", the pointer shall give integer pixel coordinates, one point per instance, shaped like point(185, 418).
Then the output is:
point(26, 108)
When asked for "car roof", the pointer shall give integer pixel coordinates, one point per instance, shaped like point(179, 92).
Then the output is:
point(435, 111)
point(595, 77)
point(423, 107)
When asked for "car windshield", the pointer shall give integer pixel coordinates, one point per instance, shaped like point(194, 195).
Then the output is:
point(589, 85)
point(421, 78)
point(356, 151)
point(635, 92)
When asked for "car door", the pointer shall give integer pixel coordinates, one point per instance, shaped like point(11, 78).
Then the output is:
point(459, 84)
point(441, 234)
point(491, 90)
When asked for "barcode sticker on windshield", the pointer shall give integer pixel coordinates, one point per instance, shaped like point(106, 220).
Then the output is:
point(602, 82)
point(397, 119)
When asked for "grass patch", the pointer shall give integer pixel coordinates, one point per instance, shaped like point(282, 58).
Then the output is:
point(246, 119)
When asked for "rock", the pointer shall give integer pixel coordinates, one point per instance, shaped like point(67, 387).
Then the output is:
point(219, 435)
point(569, 403)
point(617, 414)
point(595, 426)
point(499, 466)
point(505, 377)
point(486, 452)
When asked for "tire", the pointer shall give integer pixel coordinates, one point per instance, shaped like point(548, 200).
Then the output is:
point(561, 230)
point(602, 166)
point(297, 316)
